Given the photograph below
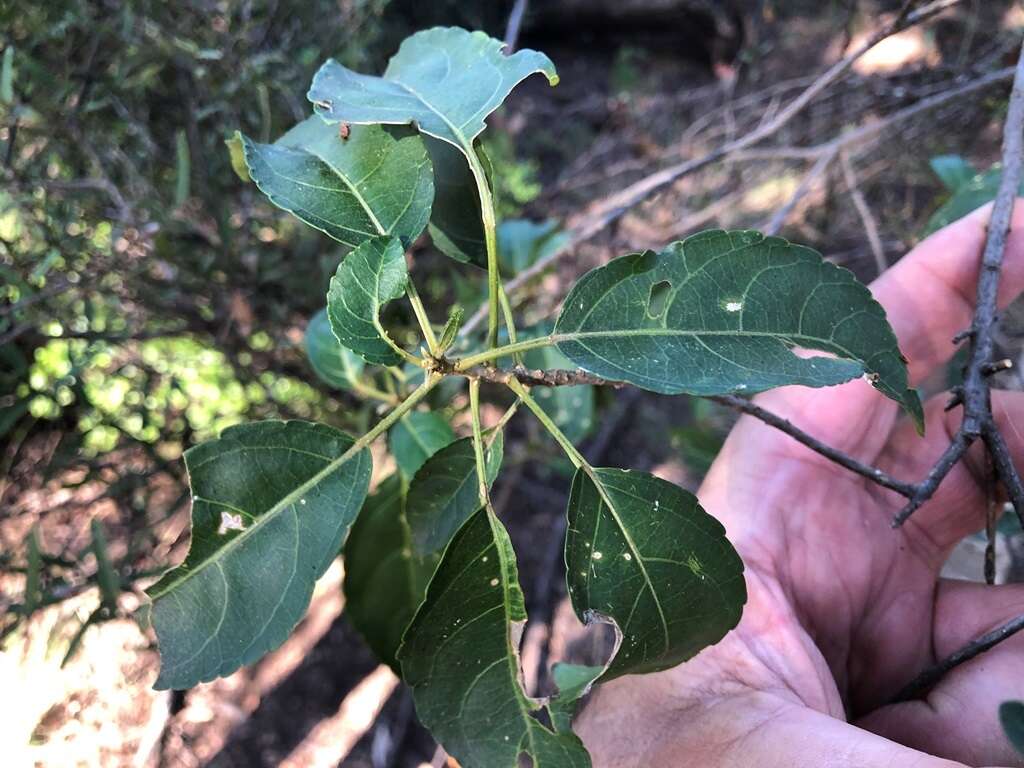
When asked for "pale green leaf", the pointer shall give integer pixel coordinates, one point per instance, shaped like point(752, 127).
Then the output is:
point(461, 658)
point(383, 587)
point(969, 196)
point(953, 171)
point(417, 437)
point(1011, 715)
point(106, 577)
point(367, 279)
point(723, 312)
point(236, 153)
point(641, 552)
point(183, 169)
point(335, 364)
point(445, 80)
point(573, 682)
point(272, 503)
point(444, 493)
point(375, 182)
point(7, 76)
point(522, 243)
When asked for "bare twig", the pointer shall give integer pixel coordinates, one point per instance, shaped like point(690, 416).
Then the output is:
point(927, 679)
point(515, 21)
point(873, 474)
point(974, 394)
point(807, 183)
point(614, 207)
point(870, 226)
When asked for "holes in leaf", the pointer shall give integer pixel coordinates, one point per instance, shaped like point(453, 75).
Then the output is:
point(658, 299)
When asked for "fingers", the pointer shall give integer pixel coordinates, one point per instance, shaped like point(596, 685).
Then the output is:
point(929, 295)
point(959, 506)
point(959, 718)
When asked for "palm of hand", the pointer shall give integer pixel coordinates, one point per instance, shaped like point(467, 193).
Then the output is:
point(843, 611)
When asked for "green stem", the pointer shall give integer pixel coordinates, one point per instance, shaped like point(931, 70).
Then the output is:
point(510, 323)
point(366, 390)
point(570, 450)
point(491, 241)
point(421, 316)
point(478, 441)
point(508, 349)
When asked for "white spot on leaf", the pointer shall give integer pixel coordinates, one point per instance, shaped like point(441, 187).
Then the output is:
point(229, 522)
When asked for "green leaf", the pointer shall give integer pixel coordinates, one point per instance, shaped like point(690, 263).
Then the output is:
point(382, 586)
point(571, 408)
point(456, 225)
point(376, 182)
point(7, 76)
point(335, 364)
point(445, 493)
point(236, 153)
point(721, 312)
point(641, 552)
point(522, 243)
point(953, 171)
point(461, 658)
point(272, 502)
point(33, 573)
point(968, 197)
point(1011, 715)
point(417, 437)
point(456, 314)
point(183, 169)
point(444, 80)
point(573, 682)
point(367, 279)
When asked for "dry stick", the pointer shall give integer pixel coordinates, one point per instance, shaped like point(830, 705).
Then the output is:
point(927, 679)
point(616, 206)
point(811, 178)
point(974, 394)
point(866, 219)
point(515, 21)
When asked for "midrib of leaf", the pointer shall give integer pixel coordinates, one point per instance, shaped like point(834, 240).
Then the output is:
point(602, 491)
point(512, 656)
point(291, 498)
point(356, 193)
point(465, 146)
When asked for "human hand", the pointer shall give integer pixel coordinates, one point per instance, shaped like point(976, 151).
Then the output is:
point(843, 611)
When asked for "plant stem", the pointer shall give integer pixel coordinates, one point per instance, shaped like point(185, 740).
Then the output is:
point(421, 316)
point(507, 349)
point(491, 242)
point(510, 323)
point(367, 390)
point(524, 394)
point(478, 441)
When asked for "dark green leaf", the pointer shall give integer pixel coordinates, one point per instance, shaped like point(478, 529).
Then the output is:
point(1011, 715)
point(417, 437)
point(382, 586)
point(445, 80)
point(461, 658)
point(953, 171)
point(367, 279)
point(976, 192)
point(272, 503)
point(333, 363)
point(641, 552)
point(722, 312)
point(375, 182)
point(445, 493)
point(33, 573)
point(456, 227)
point(522, 243)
